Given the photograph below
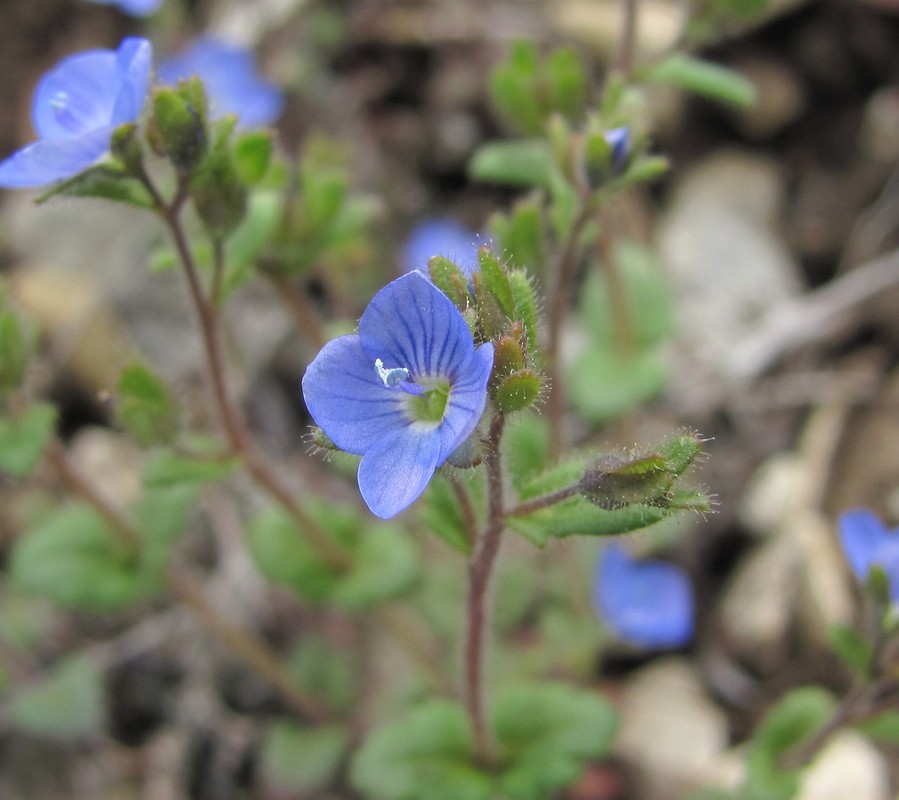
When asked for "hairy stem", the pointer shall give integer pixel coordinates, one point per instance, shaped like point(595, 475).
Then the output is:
point(480, 569)
point(538, 503)
point(238, 434)
point(559, 302)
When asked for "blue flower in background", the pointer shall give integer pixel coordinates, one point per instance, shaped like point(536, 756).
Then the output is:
point(867, 542)
point(136, 8)
point(647, 603)
point(404, 393)
point(441, 237)
point(76, 107)
point(232, 82)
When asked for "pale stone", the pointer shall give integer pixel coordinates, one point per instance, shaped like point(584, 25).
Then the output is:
point(670, 730)
point(849, 766)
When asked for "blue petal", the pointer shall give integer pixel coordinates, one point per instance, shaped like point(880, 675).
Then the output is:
point(440, 237)
point(397, 468)
point(137, 8)
point(76, 96)
point(134, 60)
point(48, 161)
point(232, 82)
point(466, 402)
point(348, 400)
point(861, 535)
point(412, 324)
point(649, 603)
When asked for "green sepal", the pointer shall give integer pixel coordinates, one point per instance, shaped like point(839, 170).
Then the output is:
point(546, 733)
point(490, 316)
point(642, 169)
point(145, 407)
point(611, 482)
point(67, 703)
point(495, 279)
point(326, 670)
point(507, 354)
point(125, 146)
point(383, 562)
point(449, 278)
point(218, 192)
point(23, 437)
point(680, 451)
point(178, 127)
point(524, 304)
point(517, 391)
point(105, 181)
point(597, 157)
point(428, 754)
point(704, 78)
point(520, 235)
point(252, 152)
point(516, 163)
point(297, 760)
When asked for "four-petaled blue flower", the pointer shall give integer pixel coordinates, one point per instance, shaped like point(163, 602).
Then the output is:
point(233, 85)
point(404, 393)
point(867, 542)
point(136, 8)
point(646, 603)
point(75, 109)
point(441, 237)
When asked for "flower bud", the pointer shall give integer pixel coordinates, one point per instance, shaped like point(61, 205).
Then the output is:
point(517, 391)
point(612, 482)
point(178, 125)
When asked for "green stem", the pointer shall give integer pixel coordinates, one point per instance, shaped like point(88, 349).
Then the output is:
point(480, 569)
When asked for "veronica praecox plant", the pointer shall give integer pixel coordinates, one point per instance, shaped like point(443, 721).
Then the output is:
point(76, 107)
point(404, 393)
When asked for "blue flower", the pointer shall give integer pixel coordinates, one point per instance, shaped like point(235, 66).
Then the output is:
point(75, 109)
point(867, 542)
point(646, 603)
point(136, 8)
point(232, 82)
point(404, 393)
point(441, 237)
point(619, 140)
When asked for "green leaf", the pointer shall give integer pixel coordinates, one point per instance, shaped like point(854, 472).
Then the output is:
point(704, 78)
point(883, 726)
point(161, 517)
point(325, 670)
point(385, 566)
point(219, 194)
point(567, 83)
point(249, 239)
point(426, 755)
point(74, 559)
point(443, 516)
point(495, 279)
point(520, 235)
point(297, 760)
point(145, 406)
point(14, 347)
point(168, 469)
point(383, 561)
point(526, 445)
point(644, 295)
point(24, 437)
point(517, 163)
point(604, 384)
point(524, 303)
point(546, 734)
point(794, 720)
point(252, 152)
point(68, 703)
point(106, 182)
point(513, 89)
point(852, 649)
